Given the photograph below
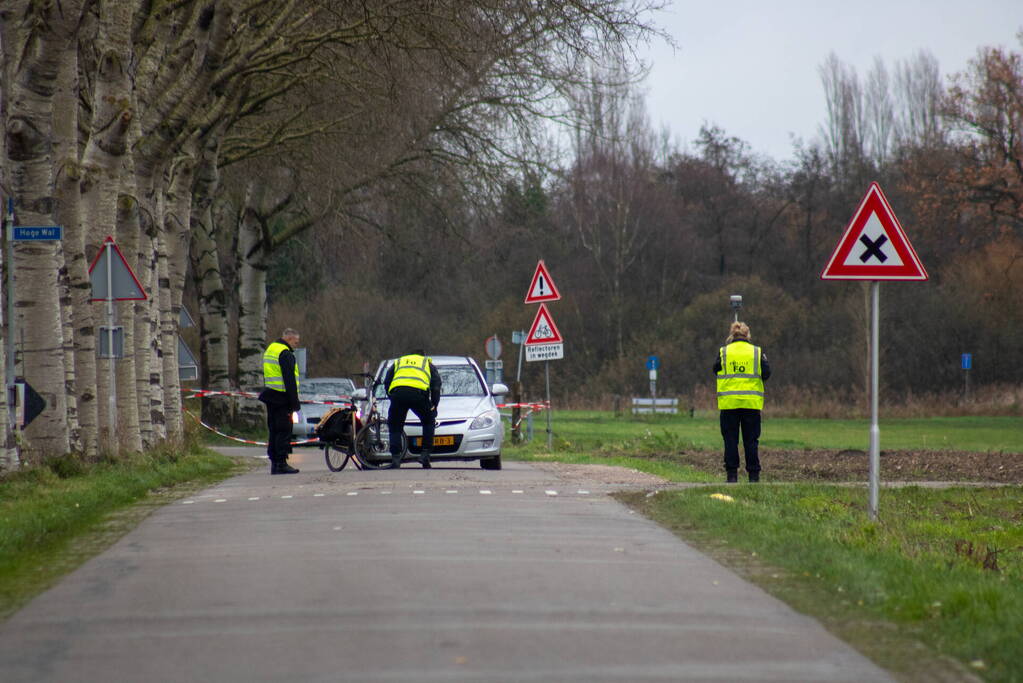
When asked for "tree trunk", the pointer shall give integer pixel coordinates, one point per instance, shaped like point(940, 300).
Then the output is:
point(41, 40)
point(172, 282)
point(252, 257)
point(213, 311)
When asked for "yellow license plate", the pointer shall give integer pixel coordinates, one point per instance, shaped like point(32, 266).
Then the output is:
point(438, 441)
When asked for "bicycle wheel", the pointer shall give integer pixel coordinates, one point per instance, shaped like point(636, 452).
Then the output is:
point(372, 445)
point(337, 456)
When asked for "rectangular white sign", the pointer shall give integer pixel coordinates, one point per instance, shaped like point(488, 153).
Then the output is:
point(545, 351)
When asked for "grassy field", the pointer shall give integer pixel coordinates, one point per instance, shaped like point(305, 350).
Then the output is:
point(54, 518)
point(589, 431)
point(943, 567)
point(932, 591)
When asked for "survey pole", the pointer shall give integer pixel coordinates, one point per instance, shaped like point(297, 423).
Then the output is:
point(112, 399)
point(875, 429)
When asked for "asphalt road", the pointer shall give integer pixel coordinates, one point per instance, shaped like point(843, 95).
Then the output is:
point(449, 574)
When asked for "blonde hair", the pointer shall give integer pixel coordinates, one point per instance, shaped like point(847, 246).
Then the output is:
point(738, 330)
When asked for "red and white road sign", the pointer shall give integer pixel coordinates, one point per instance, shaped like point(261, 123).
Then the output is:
point(124, 286)
point(542, 287)
point(543, 329)
point(874, 246)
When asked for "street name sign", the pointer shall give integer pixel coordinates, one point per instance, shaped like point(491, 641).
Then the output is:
point(874, 246)
point(37, 233)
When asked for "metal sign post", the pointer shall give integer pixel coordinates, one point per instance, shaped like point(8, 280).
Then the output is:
point(875, 429)
point(967, 363)
point(11, 321)
point(114, 282)
point(874, 247)
point(112, 405)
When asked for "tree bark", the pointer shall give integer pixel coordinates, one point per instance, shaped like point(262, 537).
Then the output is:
point(252, 259)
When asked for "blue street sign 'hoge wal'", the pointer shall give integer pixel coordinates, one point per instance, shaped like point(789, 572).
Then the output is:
point(37, 233)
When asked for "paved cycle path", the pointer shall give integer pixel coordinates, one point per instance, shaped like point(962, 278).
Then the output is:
point(449, 574)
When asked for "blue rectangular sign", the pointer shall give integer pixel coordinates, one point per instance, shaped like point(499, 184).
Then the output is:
point(653, 363)
point(37, 233)
point(967, 361)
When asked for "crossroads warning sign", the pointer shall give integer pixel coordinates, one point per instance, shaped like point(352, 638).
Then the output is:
point(874, 246)
point(542, 287)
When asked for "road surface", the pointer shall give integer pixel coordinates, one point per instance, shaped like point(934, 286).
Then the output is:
point(449, 574)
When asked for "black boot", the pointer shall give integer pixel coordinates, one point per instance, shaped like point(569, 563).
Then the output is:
point(274, 467)
point(424, 459)
point(754, 477)
point(395, 462)
point(732, 476)
point(284, 468)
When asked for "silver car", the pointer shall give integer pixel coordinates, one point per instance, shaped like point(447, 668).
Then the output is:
point(468, 423)
point(318, 389)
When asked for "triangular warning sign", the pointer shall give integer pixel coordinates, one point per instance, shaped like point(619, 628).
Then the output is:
point(543, 330)
point(121, 283)
point(874, 246)
point(542, 287)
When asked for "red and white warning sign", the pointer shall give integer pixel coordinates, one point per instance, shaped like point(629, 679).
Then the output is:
point(542, 287)
point(874, 246)
point(543, 330)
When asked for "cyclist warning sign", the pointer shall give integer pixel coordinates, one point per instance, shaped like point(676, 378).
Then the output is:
point(543, 330)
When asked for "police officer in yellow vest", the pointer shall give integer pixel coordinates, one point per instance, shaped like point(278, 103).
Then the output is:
point(280, 377)
point(413, 383)
point(741, 370)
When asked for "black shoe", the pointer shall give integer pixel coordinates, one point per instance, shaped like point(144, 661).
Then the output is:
point(395, 462)
point(754, 477)
point(285, 468)
point(424, 460)
point(732, 477)
point(274, 467)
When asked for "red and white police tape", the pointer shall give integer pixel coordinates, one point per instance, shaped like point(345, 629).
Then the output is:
point(240, 440)
point(528, 408)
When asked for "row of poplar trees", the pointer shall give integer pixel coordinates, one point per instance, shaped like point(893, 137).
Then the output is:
point(122, 117)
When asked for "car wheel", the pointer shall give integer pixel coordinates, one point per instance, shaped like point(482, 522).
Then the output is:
point(493, 463)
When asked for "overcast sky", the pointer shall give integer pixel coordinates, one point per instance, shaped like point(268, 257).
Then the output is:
point(751, 66)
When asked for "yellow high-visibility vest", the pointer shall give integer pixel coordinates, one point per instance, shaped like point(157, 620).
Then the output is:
point(411, 371)
point(273, 377)
point(739, 383)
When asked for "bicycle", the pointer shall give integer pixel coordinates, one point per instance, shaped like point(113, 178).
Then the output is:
point(364, 439)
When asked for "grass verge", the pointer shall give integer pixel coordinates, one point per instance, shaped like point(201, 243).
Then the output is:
point(54, 518)
point(942, 572)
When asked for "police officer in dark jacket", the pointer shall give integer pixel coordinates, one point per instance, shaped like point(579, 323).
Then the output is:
point(741, 369)
point(413, 383)
point(280, 377)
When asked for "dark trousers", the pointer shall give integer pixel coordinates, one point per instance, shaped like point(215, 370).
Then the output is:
point(278, 422)
point(746, 420)
point(404, 399)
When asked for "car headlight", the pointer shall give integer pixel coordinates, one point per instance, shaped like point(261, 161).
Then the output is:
point(484, 420)
point(294, 418)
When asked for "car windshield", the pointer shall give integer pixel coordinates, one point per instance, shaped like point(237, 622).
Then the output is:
point(457, 380)
point(310, 389)
point(460, 380)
